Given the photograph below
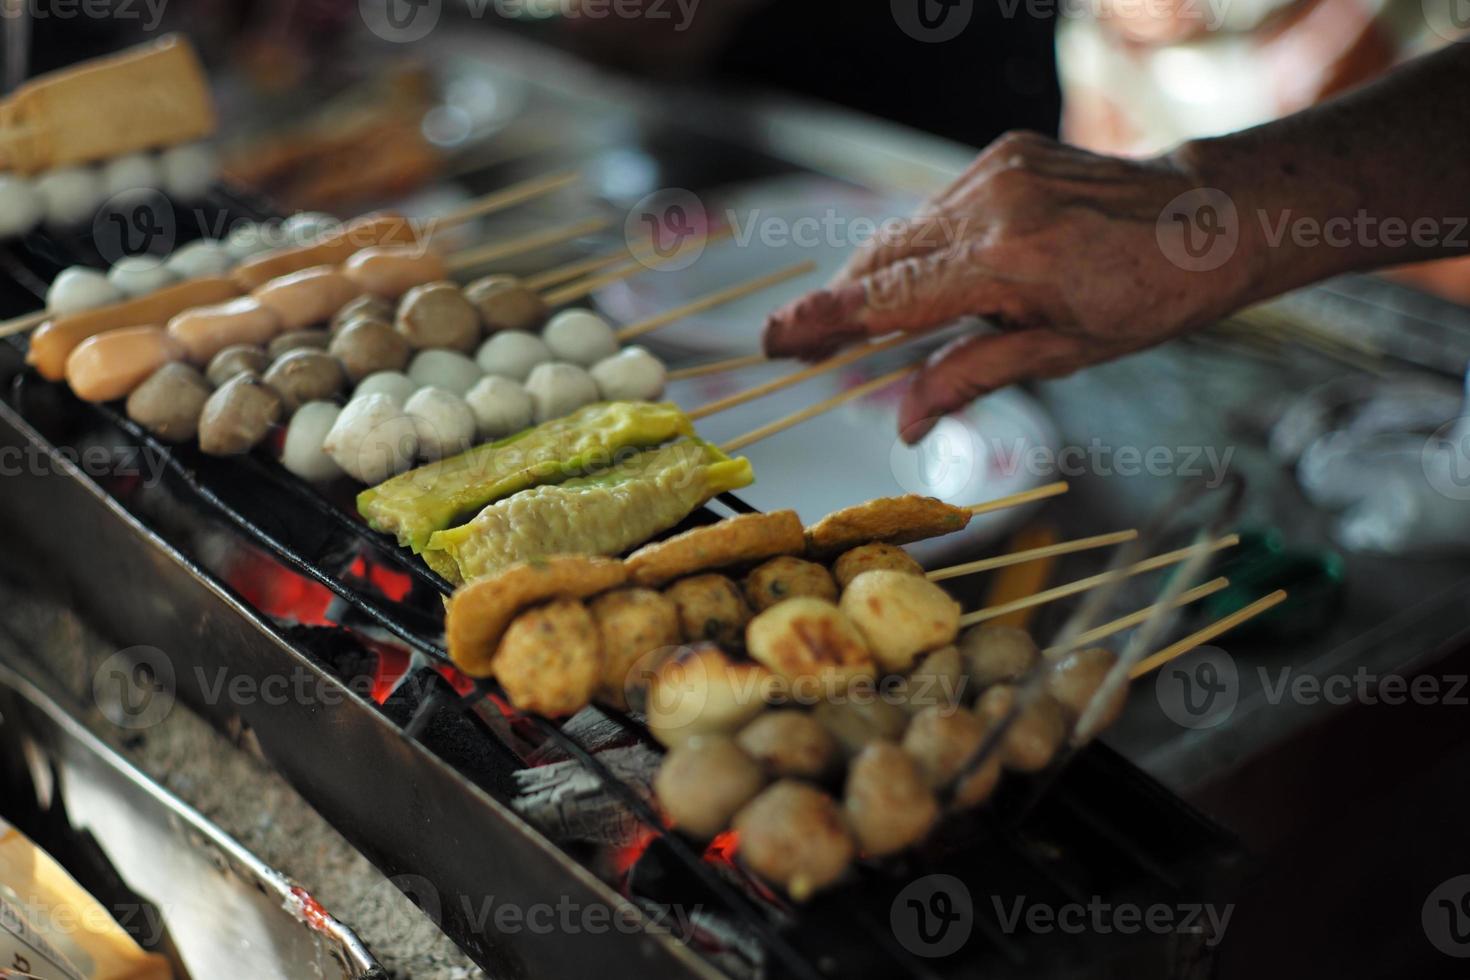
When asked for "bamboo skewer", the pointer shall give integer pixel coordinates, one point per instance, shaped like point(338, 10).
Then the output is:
point(644, 258)
point(1034, 554)
point(1024, 497)
point(718, 367)
point(575, 270)
point(1082, 585)
point(820, 408)
point(718, 298)
point(1221, 626)
point(489, 252)
point(1135, 618)
point(501, 200)
point(830, 364)
point(21, 324)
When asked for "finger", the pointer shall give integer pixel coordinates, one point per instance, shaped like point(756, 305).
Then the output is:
point(977, 365)
point(926, 232)
point(910, 296)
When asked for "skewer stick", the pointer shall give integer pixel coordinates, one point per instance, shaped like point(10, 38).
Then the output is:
point(1093, 581)
point(820, 408)
point(830, 364)
point(574, 270)
point(718, 367)
point(23, 323)
point(1134, 618)
point(644, 258)
point(718, 298)
point(489, 252)
point(501, 200)
point(1157, 660)
point(1020, 557)
point(1024, 497)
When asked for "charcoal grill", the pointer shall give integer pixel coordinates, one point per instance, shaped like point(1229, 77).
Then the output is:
point(236, 565)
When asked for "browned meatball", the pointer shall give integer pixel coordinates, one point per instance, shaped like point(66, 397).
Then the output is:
point(942, 740)
point(790, 743)
point(1034, 737)
point(169, 402)
point(437, 315)
point(861, 715)
point(1076, 679)
point(549, 660)
point(937, 679)
point(704, 781)
point(901, 616)
point(786, 578)
point(505, 304)
point(635, 625)
point(302, 376)
point(368, 307)
point(237, 359)
point(793, 835)
point(889, 805)
point(868, 557)
point(368, 346)
point(237, 416)
point(997, 655)
point(298, 340)
point(711, 608)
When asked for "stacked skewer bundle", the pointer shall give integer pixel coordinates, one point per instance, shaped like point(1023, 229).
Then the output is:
point(787, 668)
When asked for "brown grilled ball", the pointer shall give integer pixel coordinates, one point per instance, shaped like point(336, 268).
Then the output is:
point(369, 307)
point(169, 402)
point(786, 578)
point(298, 340)
point(237, 359)
point(238, 415)
point(436, 315)
point(367, 346)
point(888, 804)
point(302, 376)
point(711, 608)
point(870, 557)
point(997, 655)
point(794, 835)
point(1077, 677)
point(550, 660)
point(1034, 737)
point(505, 304)
point(636, 625)
point(790, 743)
point(703, 782)
point(942, 740)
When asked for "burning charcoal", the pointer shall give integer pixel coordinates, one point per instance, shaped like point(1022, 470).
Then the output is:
point(566, 802)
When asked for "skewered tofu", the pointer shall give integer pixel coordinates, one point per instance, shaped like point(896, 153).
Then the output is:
point(794, 835)
point(703, 782)
point(550, 659)
point(888, 803)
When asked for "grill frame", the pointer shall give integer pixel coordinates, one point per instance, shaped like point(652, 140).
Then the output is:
point(433, 823)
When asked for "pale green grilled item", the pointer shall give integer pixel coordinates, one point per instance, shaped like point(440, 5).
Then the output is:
point(415, 504)
point(603, 514)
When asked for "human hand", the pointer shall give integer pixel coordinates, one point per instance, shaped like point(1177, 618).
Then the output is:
point(1060, 247)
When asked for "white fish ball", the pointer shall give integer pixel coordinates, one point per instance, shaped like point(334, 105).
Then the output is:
point(196, 260)
point(502, 407)
point(373, 439)
point(395, 384)
point(71, 195)
point(303, 453)
point(21, 207)
point(130, 172)
point(512, 354)
point(188, 170)
point(580, 337)
point(139, 275)
point(445, 369)
point(248, 238)
point(304, 226)
point(77, 289)
point(632, 375)
point(558, 389)
point(444, 423)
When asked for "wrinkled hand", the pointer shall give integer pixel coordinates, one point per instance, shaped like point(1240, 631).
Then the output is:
point(1057, 246)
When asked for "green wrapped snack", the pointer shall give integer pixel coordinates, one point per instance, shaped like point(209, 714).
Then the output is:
point(415, 504)
point(603, 514)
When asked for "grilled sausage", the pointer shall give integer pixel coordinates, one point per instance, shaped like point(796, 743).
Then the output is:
point(366, 232)
point(308, 297)
point(207, 330)
point(389, 271)
point(111, 365)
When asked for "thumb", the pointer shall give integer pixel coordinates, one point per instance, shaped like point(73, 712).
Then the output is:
point(911, 295)
point(976, 365)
